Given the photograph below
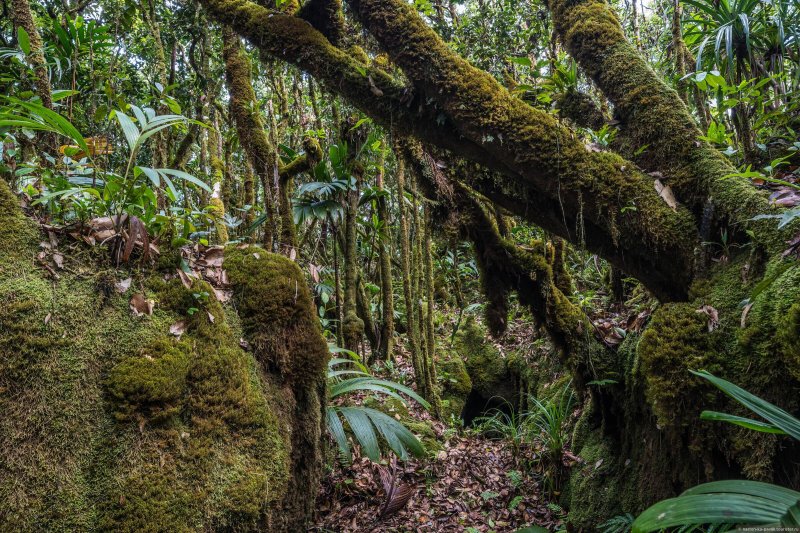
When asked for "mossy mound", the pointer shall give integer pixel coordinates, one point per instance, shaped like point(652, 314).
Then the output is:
point(112, 423)
point(454, 381)
point(486, 367)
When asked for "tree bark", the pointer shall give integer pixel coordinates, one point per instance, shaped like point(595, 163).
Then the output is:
point(385, 263)
point(22, 17)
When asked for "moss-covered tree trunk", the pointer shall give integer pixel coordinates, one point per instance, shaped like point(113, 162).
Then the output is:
point(250, 128)
point(405, 275)
point(22, 17)
point(352, 325)
point(386, 341)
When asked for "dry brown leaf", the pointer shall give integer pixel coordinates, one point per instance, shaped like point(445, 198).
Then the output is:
point(185, 279)
point(744, 313)
point(214, 256)
point(141, 306)
point(222, 295)
point(665, 192)
point(713, 317)
point(314, 271)
point(48, 318)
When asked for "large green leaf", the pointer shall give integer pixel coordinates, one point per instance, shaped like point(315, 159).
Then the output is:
point(56, 122)
point(748, 423)
point(792, 516)
point(370, 383)
point(337, 430)
point(361, 426)
point(775, 493)
point(771, 413)
point(396, 434)
point(184, 176)
point(709, 509)
point(129, 129)
point(24, 40)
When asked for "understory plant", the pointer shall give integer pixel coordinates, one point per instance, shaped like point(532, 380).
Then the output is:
point(543, 426)
point(347, 375)
point(549, 421)
point(85, 183)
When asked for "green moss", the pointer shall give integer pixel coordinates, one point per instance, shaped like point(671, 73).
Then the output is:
point(594, 485)
point(149, 500)
point(675, 342)
point(581, 109)
point(111, 423)
point(485, 365)
point(152, 383)
point(424, 431)
point(789, 329)
point(455, 383)
point(653, 457)
point(279, 321)
point(352, 328)
point(17, 235)
point(278, 316)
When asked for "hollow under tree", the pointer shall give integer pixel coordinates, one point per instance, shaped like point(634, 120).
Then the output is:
point(484, 139)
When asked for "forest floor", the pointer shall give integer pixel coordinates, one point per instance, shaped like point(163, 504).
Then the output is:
point(466, 483)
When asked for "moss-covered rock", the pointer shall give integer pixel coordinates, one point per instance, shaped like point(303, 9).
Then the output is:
point(279, 321)
point(455, 383)
point(112, 423)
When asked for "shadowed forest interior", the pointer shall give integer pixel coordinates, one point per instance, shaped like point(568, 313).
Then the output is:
point(483, 266)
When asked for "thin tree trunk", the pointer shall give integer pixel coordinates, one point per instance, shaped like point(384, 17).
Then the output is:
point(22, 16)
point(160, 144)
point(385, 261)
point(430, 339)
point(405, 265)
point(353, 326)
point(418, 290)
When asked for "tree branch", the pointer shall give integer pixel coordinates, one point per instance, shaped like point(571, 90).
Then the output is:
point(653, 115)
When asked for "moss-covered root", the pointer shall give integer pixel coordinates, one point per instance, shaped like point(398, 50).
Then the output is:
point(279, 322)
point(653, 445)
